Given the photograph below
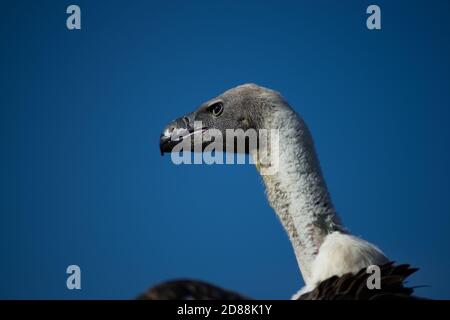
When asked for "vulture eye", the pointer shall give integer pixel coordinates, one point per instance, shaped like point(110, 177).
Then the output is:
point(216, 109)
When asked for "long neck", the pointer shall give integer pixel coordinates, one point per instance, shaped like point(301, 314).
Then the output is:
point(296, 188)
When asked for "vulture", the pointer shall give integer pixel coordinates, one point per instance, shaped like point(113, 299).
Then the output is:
point(332, 262)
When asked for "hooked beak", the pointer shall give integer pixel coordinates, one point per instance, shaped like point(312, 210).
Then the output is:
point(176, 131)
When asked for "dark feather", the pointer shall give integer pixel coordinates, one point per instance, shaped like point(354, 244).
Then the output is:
point(189, 290)
point(354, 286)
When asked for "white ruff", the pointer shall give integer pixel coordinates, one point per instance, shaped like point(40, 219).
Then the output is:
point(298, 194)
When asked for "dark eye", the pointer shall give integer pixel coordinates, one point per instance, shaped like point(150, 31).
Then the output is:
point(216, 109)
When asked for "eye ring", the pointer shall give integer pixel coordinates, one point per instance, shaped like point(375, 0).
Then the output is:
point(216, 109)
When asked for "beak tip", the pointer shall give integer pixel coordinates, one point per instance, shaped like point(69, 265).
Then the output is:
point(161, 148)
point(163, 141)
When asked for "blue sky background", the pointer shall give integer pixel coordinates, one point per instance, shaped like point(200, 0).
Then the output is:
point(82, 181)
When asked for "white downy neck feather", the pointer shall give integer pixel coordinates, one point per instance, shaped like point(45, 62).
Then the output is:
point(298, 194)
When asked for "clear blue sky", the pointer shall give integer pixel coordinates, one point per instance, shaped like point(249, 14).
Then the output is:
point(82, 181)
